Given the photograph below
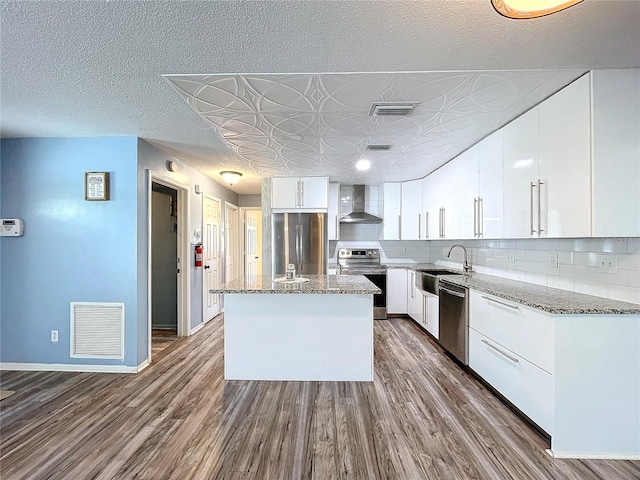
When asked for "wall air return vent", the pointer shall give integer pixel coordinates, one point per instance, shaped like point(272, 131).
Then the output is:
point(392, 108)
point(378, 147)
point(97, 330)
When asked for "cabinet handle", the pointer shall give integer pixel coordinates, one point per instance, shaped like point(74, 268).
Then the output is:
point(513, 359)
point(480, 216)
point(444, 222)
point(451, 292)
point(540, 230)
point(531, 206)
point(426, 224)
point(302, 193)
point(399, 227)
point(337, 226)
point(475, 217)
point(419, 226)
point(515, 307)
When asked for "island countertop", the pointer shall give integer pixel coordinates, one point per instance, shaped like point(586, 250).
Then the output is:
point(333, 284)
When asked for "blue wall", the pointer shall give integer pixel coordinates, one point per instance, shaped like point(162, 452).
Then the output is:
point(72, 249)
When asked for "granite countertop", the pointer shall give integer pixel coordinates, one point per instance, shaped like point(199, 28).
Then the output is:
point(548, 299)
point(334, 284)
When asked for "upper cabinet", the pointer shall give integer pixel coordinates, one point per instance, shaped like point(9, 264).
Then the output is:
point(402, 211)
point(411, 211)
point(333, 221)
point(564, 167)
point(489, 204)
point(616, 152)
point(547, 167)
point(391, 210)
point(308, 193)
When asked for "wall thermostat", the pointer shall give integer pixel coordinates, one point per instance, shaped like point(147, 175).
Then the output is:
point(12, 227)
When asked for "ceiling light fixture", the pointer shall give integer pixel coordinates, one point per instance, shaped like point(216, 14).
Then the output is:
point(363, 164)
point(231, 177)
point(530, 8)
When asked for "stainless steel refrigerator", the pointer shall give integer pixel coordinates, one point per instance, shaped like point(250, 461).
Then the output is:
point(301, 239)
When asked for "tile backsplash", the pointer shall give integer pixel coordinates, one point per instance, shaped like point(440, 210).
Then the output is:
point(576, 264)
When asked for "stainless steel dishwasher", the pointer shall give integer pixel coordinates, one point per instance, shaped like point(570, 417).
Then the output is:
point(454, 319)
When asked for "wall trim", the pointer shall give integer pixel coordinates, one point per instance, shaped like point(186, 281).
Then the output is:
point(593, 456)
point(63, 367)
point(196, 328)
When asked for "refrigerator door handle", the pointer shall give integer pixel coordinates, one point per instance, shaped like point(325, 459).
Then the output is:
point(301, 254)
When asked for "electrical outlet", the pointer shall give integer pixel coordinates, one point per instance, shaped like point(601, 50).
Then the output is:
point(54, 336)
point(608, 263)
point(511, 257)
point(552, 260)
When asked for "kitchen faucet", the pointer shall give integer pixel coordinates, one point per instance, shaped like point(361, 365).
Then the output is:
point(466, 268)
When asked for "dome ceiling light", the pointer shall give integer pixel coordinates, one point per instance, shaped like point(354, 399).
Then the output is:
point(530, 8)
point(231, 177)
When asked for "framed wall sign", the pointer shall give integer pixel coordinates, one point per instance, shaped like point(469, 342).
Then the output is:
point(96, 186)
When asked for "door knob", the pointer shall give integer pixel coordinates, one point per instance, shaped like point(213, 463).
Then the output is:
point(206, 266)
point(257, 257)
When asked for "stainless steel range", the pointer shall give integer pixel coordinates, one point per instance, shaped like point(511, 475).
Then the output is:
point(367, 262)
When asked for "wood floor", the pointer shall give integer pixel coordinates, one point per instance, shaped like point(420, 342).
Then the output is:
point(422, 418)
point(162, 338)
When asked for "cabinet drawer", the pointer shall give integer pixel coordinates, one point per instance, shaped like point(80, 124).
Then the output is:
point(523, 330)
point(526, 386)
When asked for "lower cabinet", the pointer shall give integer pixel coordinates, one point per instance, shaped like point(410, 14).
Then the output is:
point(525, 385)
point(397, 290)
point(575, 375)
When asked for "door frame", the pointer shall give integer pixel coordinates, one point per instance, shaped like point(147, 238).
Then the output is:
point(232, 209)
point(184, 287)
point(221, 253)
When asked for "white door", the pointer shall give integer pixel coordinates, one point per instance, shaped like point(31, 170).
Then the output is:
point(233, 242)
point(211, 267)
point(253, 244)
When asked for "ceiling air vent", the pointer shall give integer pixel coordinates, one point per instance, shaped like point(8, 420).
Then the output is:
point(392, 108)
point(378, 147)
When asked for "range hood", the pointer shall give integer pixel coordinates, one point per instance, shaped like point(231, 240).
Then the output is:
point(358, 215)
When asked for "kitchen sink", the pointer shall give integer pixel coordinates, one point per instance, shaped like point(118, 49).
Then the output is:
point(427, 279)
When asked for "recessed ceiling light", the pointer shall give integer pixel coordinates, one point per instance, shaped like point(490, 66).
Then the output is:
point(363, 164)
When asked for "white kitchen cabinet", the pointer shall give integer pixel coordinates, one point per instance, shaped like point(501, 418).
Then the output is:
point(525, 385)
point(431, 186)
point(556, 367)
point(520, 170)
point(490, 202)
point(432, 314)
point(616, 152)
point(391, 210)
point(333, 217)
point(309, 193)
point(450, 205)
point(411, 210)
point(565, 161)
point(464, 198)
point(415, 300)
point(397, 290)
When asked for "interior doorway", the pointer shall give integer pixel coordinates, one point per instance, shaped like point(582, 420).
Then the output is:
point(168, 296)
point(233, 242)
point(252, 242)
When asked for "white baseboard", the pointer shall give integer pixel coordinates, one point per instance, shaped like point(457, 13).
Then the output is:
point(593, 456)
point(63, 367)
point(195, 329)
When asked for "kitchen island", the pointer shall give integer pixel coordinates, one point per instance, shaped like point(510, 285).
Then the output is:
point(318, 330)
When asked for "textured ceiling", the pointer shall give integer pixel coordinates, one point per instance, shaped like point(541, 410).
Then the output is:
point(87, 68)
point(320, 124)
